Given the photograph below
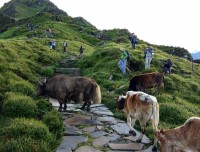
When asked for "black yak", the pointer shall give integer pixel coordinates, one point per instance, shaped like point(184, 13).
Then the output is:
point(63, 87)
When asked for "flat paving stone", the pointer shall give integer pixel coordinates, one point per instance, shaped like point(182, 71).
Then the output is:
point(99, 109)
point(72, 131)
point(121, 128)
point(100, 113)
point(129, 146)
point(89, 129)
point(79, 120)
point(113, 137)
point(71, 141)
point(87, 149)
point(64, 149)
point(97, 105)
point(110, 120)
point(100, 142)
point(145, 139)
point(97, 134)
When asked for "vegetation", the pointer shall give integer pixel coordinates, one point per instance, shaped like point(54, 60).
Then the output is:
point(25, 57)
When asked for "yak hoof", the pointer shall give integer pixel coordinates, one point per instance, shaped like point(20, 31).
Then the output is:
point(138, 140)
point(88, 109)
point(154, 148)
point(59, 109)
point(132, 132)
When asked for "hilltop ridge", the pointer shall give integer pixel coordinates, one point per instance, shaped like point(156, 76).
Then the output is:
point(21, 9)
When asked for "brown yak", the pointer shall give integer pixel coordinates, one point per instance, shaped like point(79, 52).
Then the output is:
point(63, 87)
point(148, 80)
point(140, 106)
point(185, 138)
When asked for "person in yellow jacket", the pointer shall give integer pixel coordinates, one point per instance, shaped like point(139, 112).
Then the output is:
point(122, 62)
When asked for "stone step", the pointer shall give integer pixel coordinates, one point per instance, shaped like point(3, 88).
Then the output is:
point(69, 71)
point(68, 63)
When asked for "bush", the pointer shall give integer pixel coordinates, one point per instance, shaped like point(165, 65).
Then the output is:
point(24, 144)
point(22, 86)
point(28, 128)
point(16, 105)
point(53, 120)
point(48, 71)
point(43, 107)
point(25, 135)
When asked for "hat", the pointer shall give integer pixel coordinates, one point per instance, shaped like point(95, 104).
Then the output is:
point(121, 49)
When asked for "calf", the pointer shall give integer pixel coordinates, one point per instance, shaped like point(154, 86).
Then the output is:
point(185, 138)
point(140, 106)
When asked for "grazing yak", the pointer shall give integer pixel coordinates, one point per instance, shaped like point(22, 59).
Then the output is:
point(62, 88)
point(140, 106)
point(185, 138)
point(148, 80)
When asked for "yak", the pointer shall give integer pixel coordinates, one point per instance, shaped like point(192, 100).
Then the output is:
point(63, 87)
point(140, 106)
point(148, 80)
point(185, 138)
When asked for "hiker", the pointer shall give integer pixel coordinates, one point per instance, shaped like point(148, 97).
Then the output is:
point(53, 43)
point(81, 51)
point(50, 44)
point(65, 46)
point(148, 54)
point(133, 40)
point(167, 66)
point(122, 62)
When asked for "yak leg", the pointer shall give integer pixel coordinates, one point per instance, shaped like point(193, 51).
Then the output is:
point(155, 129)
point(141, 135)
point(65, 105)
point(83, 106)
point(131, 123)
point(60, 107)
point(143, 126)
point(88, 106)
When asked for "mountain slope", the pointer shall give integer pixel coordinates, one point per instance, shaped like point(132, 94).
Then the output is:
point(20, 9)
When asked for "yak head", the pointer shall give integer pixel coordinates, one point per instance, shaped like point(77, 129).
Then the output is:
point(121, 102)
point(41, 88)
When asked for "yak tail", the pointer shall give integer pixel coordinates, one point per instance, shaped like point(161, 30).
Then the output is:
point(155, 114)
point(97, 95)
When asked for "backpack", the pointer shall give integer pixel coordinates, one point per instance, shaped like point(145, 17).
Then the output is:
point(128, 55)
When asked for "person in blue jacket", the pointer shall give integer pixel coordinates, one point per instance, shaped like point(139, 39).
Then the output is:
point(122, 61)
point(133, 40)
point(148, 54)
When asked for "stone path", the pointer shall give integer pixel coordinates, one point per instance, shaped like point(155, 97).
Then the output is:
point(97, 131)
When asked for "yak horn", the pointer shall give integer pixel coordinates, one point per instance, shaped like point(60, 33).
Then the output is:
point(40, 82)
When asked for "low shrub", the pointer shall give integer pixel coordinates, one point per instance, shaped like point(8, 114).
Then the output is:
point(43, 107)
point(53, 120)
point(28, 128)
point(22, 86)
point(48, 71)
point(17, 105)
point(24, 144)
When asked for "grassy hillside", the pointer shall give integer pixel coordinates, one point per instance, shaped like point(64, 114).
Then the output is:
point(25, 56)
point(21, 9)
